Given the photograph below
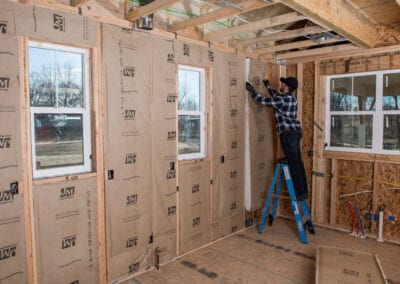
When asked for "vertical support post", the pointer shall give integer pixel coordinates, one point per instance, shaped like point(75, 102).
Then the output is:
point(318, 182)
point(26, 155)
point(332, 212)
point(98, 117)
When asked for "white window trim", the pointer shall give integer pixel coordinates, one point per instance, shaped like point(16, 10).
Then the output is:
point(85, 111)
point(201, 113)
point(378, 114)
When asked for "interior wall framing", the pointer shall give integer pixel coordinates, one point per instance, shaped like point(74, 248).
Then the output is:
point(338, 175)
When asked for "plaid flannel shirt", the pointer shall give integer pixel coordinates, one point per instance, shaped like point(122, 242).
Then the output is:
point(285, 109)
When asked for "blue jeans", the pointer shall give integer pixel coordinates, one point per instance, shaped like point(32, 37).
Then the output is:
point(290, 141)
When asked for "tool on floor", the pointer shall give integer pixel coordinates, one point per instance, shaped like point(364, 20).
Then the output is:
point(302, 221)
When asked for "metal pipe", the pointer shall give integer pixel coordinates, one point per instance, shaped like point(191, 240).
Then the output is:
point(380, 229)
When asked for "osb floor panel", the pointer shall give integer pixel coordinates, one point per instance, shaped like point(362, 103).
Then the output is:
point(275, 256)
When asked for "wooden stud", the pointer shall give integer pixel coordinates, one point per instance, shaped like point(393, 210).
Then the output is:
point(375, 194)
point(318, 182)
point(334, 198)
point(26, 155)
point(98, 109)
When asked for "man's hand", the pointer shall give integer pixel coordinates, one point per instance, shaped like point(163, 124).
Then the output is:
point(249, 87)
point(266, 83)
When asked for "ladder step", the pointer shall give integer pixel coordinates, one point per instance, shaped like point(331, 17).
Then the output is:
point(280, 196)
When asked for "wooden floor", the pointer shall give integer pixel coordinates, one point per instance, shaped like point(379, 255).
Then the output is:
point(275, 256)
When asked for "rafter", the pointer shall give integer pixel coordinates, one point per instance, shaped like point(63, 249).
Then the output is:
point(150, 9)
point(297, 44)
point(339, 17)
point(219, 14)
point(266, 23)
point(317, 51)
point(279, 36)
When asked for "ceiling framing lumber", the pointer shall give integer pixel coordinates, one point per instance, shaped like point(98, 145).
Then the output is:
point(317, 51)
point(219, 14)
point(338, 16)
point(262, 24)
point(150, 9)
point(279, 36)
point(297, 44)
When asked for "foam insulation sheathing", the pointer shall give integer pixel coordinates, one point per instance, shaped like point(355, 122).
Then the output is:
point(194, 205)
point(128, 148)
point(65, 217)
point(262, 128)
point(164, 147)
point(228, 144)
point(13, 264)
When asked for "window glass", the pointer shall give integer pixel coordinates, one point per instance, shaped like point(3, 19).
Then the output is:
point(341, 98)
point(365, 91)
point(58, 140)
point(391, 132)
point(189, 134)
point(189, 90)
point(55, 78)
point(354, 131)
point(391, 91)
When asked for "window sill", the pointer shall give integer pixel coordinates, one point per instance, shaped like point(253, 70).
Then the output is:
point(369, 157)
point(49, 180)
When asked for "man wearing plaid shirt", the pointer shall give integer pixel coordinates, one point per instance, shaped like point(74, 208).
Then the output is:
point(288, 127)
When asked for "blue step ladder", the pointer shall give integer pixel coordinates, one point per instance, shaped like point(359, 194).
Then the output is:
point(302, 222)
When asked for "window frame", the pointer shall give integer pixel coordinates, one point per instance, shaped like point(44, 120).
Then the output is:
point(85, 111)
point(377, 114)
point(202, 112)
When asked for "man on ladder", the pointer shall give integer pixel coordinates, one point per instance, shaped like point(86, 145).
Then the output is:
point(288, 127)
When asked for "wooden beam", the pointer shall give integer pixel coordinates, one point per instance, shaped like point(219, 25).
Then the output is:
point(317, 51)
point(318, 179)
point(266, 23)
point(279, 36)
point(297, 44)
point(150, 9)
point(219, 14)
point(338, 16)
point(349, 53)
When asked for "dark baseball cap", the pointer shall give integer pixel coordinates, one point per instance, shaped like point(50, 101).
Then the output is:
point(291, 82)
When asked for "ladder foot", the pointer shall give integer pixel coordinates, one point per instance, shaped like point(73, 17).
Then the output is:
point(270, 220)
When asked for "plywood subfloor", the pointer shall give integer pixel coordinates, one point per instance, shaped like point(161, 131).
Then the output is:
point(275, 256)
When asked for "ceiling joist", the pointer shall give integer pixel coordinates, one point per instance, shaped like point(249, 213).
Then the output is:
point(317, 51)
point(149, 9)
point(297, 44)
point(339, 17)
point(279, 35)
point(219, 14)
point(262, 24)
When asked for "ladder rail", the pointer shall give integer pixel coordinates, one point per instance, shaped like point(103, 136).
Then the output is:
point(302, 221)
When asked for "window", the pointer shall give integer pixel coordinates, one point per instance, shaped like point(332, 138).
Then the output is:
point(191, 113)
point(60, 109)
point(363, 112)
